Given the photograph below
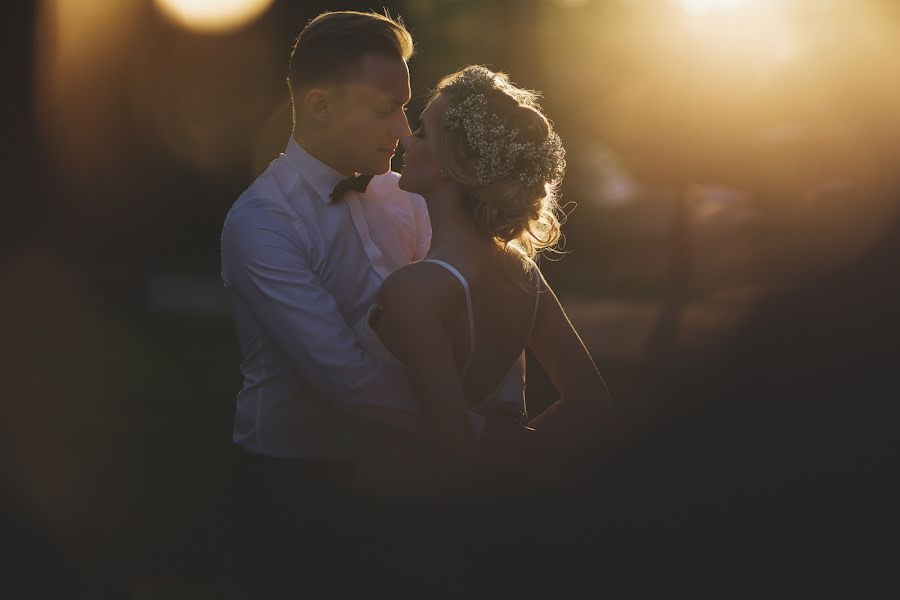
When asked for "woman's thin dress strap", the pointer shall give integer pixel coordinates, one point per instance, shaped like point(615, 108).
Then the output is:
point(465, 285)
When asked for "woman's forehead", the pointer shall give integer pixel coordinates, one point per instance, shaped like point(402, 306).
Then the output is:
point(435, 107)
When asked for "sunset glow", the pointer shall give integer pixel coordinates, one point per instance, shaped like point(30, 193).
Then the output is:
point(213, 15)
point(703, 6)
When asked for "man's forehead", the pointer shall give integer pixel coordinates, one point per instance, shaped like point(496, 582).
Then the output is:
point(381, 78)
point(401, 97)
point(374, 94)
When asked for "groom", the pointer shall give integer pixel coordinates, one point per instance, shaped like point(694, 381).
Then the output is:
point(306, 247)
point(304, 252)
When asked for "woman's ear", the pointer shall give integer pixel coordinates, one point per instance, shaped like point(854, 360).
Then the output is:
point(316, 104)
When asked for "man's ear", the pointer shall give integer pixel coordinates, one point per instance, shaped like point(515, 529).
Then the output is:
point(316, 103)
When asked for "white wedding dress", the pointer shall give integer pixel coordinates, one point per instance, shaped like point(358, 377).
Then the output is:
point(507, 399)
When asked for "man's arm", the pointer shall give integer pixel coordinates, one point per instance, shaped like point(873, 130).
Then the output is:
point(265, 264)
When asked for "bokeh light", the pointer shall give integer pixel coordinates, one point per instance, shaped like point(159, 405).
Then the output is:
point(702, 6)
point(197, 112)
point(213, 15)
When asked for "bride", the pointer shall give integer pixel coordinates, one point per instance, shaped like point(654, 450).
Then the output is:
point(488, 164)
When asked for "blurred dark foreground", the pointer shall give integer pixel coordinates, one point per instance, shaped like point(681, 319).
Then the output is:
point(765, 466)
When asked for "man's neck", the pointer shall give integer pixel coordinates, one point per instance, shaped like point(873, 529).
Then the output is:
point(320, 151)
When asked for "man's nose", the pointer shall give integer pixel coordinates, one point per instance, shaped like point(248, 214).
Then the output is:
point(400, 128)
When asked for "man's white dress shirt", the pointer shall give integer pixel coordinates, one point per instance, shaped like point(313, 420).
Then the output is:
point(298, 269)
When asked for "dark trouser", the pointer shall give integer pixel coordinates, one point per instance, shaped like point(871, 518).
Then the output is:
point(299, 526)
point(387, 523)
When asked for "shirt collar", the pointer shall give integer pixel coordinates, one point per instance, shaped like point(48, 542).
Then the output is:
point(320, 176)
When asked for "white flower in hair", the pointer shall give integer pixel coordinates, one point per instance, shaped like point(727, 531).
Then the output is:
point(500, 154)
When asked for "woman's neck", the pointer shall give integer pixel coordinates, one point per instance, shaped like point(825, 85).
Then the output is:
point(452, 227)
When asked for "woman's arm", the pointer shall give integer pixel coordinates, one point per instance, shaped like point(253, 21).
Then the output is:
point(586, 402)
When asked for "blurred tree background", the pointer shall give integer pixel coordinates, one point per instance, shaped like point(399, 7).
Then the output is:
point(732, 195)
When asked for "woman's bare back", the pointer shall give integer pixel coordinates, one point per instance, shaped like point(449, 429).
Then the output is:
point(504, 291)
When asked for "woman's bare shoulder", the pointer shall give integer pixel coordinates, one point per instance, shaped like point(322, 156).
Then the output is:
point(523, 271)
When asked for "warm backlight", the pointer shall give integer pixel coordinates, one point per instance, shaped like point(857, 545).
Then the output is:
point(703, 6)
point(213, 15)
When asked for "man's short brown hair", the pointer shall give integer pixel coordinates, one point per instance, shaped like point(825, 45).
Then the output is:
point(335, 42)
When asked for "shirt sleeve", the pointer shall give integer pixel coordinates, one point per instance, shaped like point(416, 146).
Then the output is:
point(265, 263)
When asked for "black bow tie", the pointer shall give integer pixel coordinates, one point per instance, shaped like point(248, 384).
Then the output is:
point(357, 184)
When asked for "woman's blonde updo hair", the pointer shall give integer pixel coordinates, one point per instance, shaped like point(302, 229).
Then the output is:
point(498, 144)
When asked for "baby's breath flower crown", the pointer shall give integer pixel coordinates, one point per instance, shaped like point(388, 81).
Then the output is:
point(498, 144)
point(500, 152)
